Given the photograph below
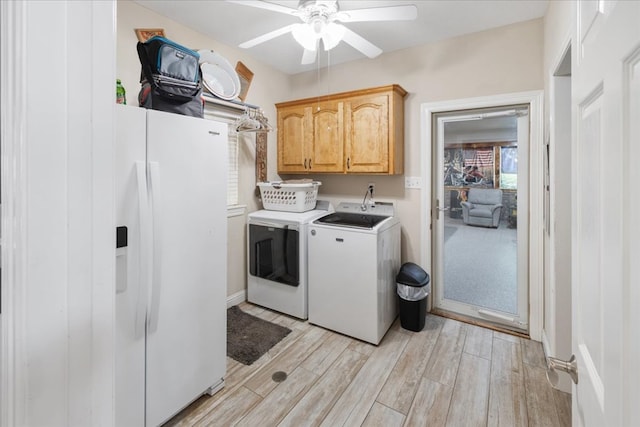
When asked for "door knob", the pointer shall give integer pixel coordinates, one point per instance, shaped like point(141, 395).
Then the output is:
point(569, 366)
point(439, 209)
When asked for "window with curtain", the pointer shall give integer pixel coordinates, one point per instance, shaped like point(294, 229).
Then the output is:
point(509, 167)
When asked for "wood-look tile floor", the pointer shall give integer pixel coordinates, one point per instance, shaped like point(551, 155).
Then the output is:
point(450, 374)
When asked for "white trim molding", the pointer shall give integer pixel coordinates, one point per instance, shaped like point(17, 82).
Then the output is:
point(236, 210)
point(535, 100)
point(237, 298)
point(58, 225)
point(557, 322)
point(13, 125)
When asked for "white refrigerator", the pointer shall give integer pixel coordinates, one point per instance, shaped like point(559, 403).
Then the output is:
point(171, 267)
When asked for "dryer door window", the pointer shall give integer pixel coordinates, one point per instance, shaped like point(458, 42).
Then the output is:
point(274, 254)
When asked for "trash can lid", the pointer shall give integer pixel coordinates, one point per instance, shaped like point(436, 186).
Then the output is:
point(412, 275)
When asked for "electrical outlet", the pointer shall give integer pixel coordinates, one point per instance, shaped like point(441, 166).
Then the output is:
point(412, 182)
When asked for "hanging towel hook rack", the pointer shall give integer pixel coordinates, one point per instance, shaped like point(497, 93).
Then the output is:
point(253, 120)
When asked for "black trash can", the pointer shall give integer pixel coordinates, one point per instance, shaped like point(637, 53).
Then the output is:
point(413, 288)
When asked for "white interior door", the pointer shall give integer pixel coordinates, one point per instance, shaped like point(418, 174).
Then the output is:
point(605, 235)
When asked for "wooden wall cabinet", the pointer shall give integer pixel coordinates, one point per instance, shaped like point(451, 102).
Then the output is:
point(310, 138)
point(293, 134)
point(352, 132)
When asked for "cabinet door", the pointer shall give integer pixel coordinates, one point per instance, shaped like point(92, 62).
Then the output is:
point(294, 133)
point(327, 145)
point(367, 134)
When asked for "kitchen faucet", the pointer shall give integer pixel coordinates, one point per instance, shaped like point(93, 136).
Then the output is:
point(372, 203)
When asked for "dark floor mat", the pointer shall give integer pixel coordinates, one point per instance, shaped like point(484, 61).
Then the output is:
point(249, 337)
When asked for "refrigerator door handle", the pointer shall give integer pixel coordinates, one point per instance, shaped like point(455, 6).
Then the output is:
point(156, 219)
point(144, 241)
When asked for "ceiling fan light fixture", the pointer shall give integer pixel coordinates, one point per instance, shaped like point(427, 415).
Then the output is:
point(305, 36)
point(319, 21)
point(333, 34)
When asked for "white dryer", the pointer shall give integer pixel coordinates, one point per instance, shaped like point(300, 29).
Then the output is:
point(354, 256)
point(277, 258)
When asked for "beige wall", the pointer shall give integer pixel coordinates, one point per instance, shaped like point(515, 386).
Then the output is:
point(503, 60)
point(268, 85)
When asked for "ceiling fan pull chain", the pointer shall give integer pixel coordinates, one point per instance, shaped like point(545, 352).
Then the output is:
point(318, 69)
point(328, 72)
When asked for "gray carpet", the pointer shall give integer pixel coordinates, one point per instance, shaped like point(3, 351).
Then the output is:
point(480, 266)
point(249, 337)
point(448, 232)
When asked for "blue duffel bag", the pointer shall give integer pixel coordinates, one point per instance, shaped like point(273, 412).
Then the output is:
point(171, 78)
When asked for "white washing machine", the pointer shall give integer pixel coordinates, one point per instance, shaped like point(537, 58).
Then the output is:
point(277, 258)
point(354, 256)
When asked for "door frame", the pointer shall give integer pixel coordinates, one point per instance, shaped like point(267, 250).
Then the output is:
point(535, 99)
point(556, 335)
point(58, 219)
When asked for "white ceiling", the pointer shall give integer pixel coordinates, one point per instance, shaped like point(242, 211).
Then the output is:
point(233, 24)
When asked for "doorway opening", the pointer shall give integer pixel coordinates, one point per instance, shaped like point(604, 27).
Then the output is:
point(481, 244)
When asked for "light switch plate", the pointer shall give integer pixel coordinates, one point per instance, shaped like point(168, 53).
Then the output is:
point(412, 182)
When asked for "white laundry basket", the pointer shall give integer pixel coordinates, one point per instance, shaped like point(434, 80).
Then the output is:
point(289, 197)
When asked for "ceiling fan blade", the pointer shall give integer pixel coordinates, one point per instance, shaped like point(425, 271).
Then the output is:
point(308, 57)
point(266, 37)
point(265, 5)
point(361, 44)
point(390, 13)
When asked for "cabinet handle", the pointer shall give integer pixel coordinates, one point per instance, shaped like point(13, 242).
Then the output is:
point(348, 163)
point(309, 164)
point(305, 163)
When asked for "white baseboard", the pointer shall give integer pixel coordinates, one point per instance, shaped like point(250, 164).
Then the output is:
point(545, 345)
point(236, 298)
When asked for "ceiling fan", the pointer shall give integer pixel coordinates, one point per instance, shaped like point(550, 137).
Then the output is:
point(321, 20)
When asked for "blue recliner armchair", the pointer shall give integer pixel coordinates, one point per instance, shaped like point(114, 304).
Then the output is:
point(483, 207)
